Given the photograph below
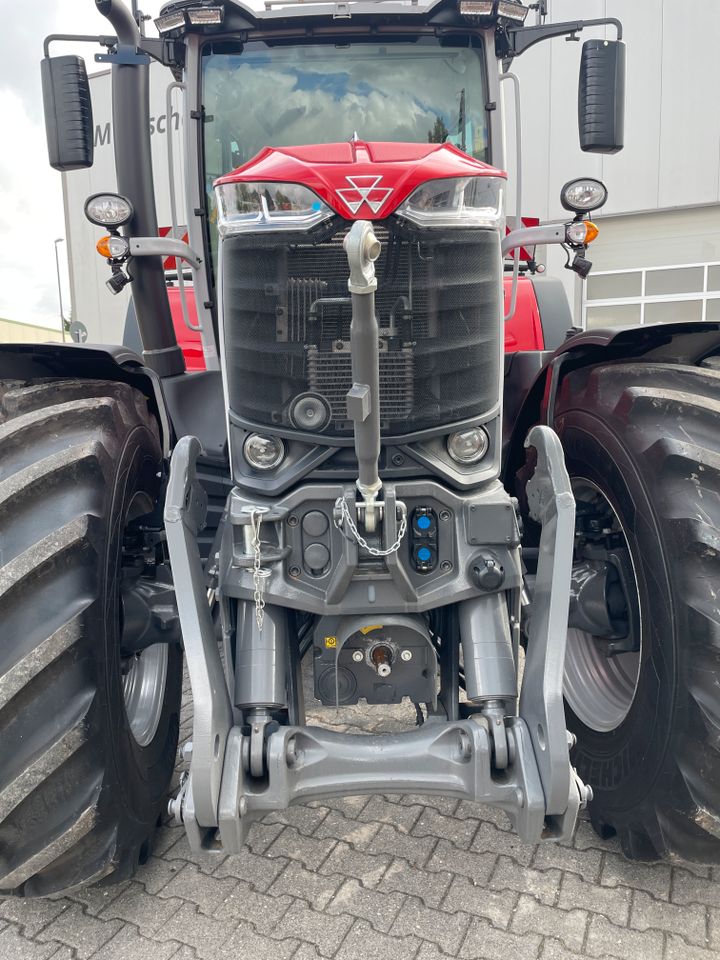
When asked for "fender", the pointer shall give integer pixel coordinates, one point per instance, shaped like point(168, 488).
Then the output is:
point(683, 343)
point(27, 361)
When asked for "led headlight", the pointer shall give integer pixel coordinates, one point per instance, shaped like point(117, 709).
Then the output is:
point(254, 207)
point(264, 453)
point(468, 446)
point(457, 202)
point(583, 195)
point(108, 210)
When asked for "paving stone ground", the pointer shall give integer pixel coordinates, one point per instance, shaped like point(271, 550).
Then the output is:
point(380, 878)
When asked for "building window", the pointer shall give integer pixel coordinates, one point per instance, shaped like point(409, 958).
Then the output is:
point(652, 295)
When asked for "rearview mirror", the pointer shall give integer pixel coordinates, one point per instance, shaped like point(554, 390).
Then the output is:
point(68, 112)
point(601, 98)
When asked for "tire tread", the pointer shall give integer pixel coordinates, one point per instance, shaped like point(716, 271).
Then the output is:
point(59, 442)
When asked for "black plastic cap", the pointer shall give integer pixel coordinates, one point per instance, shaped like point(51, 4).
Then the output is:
point(601, 99)
point(68, 113)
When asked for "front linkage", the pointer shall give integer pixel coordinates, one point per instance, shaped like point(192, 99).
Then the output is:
point(512, 753)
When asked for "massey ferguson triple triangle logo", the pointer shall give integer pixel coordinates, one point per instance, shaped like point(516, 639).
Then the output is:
point(364, 190)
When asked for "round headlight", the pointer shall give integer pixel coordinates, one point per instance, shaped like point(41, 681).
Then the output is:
point(584, 195)
point(264, 453)
point(468, 446)
point(108, 210)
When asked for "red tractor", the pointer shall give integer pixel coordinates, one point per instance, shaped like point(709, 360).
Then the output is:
point(340, 485)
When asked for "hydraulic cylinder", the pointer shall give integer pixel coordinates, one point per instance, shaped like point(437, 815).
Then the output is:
point(490, 672)
point(260, 663)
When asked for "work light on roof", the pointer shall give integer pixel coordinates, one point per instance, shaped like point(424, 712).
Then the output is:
point(170, 21)
point(477, 8)
point(202, 16)
point(517, 12)
point(505, 9)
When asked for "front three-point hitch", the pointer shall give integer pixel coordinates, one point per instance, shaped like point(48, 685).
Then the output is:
point(505, 745)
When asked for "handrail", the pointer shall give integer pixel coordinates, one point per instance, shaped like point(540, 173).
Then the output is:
point(176, 85)
point(518, 192)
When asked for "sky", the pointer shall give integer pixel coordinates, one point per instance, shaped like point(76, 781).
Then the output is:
point(31, 208)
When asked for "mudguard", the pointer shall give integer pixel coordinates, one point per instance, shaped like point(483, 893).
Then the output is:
point(189, 403)
point(682, 343)
point(28, 361)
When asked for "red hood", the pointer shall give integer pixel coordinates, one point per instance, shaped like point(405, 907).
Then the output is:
point(360, 181)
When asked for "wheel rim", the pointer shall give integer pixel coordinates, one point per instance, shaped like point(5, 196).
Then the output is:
point(144, 673)
point(600, 689)
point(144, 690)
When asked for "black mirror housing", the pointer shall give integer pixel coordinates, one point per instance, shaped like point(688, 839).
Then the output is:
point(68, 112)
point(601, 98)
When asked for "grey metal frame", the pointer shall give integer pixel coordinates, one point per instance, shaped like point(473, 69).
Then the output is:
point(185, 510)
point(483, 518)
point(165, 247)
point(538, 789)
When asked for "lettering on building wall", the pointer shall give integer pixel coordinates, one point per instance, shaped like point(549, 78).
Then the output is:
point(103, 131)
point(102, 134)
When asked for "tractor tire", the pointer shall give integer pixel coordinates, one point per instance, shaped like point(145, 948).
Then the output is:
point(80, 795)
point(647, 437)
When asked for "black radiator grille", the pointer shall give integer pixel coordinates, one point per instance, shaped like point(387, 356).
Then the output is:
point(287, 326)
point(330, 374)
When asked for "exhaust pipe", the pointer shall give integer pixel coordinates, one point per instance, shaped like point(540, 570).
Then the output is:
point(133, 163)
point(363, 399)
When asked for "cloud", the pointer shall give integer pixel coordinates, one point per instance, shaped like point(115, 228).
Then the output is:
point(297, 100)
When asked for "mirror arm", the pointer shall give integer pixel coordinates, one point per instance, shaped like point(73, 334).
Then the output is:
point(164, 51)
point(516, 40)
point(104, 41)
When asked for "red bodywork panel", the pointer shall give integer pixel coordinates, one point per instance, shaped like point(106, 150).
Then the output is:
point(360, 181)
point(189, 340)
point(366, 181)
point(524, 331)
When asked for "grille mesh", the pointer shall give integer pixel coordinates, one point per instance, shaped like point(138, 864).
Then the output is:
point(287, 327)
point(330, 374)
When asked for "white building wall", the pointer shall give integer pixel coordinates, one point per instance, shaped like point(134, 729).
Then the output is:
point(672, 134)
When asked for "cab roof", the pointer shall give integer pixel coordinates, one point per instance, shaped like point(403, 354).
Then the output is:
point(278, 13)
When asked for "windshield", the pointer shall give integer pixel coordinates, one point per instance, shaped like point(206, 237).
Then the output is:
point(415, 92)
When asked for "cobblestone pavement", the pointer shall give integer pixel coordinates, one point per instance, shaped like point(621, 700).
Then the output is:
point(380, 878)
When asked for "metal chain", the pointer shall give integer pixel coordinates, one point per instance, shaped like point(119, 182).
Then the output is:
point(341, 505)
point(260, 574)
